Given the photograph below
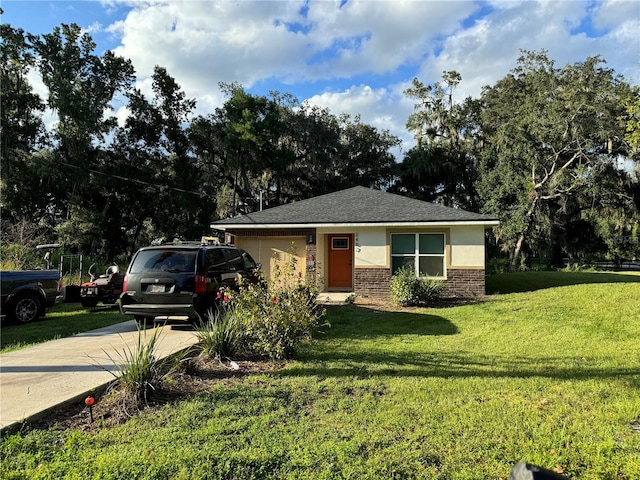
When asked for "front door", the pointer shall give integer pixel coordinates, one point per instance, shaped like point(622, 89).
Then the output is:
point(340, 262)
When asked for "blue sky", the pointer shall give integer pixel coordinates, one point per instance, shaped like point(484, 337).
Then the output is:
point(351, 56)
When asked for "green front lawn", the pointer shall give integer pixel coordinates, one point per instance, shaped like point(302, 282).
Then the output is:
point(550, 376)
point(62, 320)
point(528, 281)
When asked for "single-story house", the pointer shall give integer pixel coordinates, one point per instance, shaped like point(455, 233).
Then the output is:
point(354, 240)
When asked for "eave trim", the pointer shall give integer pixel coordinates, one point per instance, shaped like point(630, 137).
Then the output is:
point(249, 226)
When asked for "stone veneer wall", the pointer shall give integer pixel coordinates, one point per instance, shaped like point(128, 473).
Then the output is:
point(375, 282)
point(372, 282)
point(467, 283)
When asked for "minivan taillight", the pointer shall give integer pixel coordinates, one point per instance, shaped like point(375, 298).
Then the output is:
point(201, 284)
point(124, 284)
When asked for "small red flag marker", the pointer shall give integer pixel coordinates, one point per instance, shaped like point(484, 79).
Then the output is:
point(89, 401)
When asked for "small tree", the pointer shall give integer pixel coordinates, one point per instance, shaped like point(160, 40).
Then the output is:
point(17, 245)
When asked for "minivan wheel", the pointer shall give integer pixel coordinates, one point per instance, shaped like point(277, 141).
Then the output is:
point(144, 322)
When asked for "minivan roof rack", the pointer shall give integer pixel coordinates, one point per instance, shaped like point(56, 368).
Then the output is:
point(176, 241)
point(209, 241)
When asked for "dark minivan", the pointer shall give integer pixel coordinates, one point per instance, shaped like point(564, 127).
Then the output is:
point(181, 281)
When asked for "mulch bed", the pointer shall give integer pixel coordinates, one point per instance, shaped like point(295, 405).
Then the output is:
point(110, 409)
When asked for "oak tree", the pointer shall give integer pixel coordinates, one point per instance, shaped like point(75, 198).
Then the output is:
point(549, 135)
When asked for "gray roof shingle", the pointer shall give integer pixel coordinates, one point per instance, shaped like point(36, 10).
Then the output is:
point(355, 205)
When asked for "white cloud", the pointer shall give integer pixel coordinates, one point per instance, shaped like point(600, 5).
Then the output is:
point(381, 36)
point(611, 13)
point(382, 108)
point(122, 114)
point(37, 85)
point(203, 43)
point(486, 52)
point(251, 41)
point(49, 117)
point(350, 48)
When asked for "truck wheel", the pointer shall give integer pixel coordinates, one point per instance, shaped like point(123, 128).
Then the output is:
point(26, 308)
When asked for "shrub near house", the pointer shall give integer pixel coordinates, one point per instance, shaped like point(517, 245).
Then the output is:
point(408, 290)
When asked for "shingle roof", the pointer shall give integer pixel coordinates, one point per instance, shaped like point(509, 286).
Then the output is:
point(355, 205)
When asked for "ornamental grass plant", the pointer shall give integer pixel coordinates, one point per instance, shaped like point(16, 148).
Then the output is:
point(222, 334)
point(139, 372)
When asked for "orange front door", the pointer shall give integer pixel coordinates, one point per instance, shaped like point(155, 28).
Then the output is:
point(340, 261)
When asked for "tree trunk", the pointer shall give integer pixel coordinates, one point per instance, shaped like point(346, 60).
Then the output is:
point(516, 253)
point(557, 257)
point(521, 237)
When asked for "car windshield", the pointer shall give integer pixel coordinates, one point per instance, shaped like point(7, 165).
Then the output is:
point(174, 261)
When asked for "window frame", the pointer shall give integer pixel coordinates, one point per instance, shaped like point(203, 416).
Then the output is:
point(333, 243)
point(416, 255)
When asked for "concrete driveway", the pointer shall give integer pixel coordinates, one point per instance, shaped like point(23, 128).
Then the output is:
point(38, 379)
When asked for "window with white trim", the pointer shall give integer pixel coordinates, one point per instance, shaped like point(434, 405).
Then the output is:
point(422, 251)
point(340, 243)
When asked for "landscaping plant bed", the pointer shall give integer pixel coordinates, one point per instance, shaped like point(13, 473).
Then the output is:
point(195, 376)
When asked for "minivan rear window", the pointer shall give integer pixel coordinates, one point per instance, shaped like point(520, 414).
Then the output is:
point(174, 261)
point(234, 259)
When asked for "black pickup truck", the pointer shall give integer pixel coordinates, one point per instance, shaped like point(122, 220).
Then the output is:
point(25, 294)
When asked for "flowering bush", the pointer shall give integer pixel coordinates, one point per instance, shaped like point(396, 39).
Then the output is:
point(278, 316)
point(224, 296)
point(276, 321)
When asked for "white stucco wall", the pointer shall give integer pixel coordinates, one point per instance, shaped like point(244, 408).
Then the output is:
point(467, 246)
point(371, 247)
point(369, 244)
